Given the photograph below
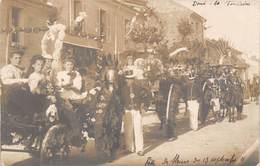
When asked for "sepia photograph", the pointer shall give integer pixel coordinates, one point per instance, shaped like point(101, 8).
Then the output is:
point(129, 82)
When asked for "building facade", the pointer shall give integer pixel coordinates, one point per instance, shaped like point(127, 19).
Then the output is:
point(171, 14)
point(23, 15)
point(104, 18)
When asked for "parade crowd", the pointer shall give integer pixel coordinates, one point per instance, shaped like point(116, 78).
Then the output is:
point(113, 102)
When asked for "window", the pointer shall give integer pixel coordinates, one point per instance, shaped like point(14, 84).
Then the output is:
point(104, 25)
point(108, 28)
point(197, 26)
point(77, 8)
point(15, 15)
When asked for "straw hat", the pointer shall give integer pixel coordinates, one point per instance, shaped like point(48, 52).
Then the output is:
point(47, 56)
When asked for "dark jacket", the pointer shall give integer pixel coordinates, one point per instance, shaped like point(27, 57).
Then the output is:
point(133, 95)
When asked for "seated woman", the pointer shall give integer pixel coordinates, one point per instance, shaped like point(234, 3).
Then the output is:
point(35, 74)
point(38, 97)
point(70, 81)
point(12, 73)
point(13, 83)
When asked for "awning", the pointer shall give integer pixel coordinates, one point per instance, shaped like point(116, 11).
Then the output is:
point(80, 42)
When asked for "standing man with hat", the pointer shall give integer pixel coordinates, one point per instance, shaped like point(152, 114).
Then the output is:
point(132, 102)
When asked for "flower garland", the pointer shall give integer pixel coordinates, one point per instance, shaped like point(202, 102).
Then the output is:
point(44, 29)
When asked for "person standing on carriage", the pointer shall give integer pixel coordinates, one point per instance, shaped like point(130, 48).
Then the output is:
point(47, 68)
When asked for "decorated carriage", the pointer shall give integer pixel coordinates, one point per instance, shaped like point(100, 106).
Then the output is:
point(45, 125)
point(48, 127)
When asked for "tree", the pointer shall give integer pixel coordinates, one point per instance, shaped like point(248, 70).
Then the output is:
point(223, 47)
point(145, 28)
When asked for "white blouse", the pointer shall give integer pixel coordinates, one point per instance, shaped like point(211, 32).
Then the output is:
point(9, 72)
point(63, 78)
point(34, 80)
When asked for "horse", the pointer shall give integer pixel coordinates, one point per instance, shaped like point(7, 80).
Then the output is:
point(180, 86)
point(223, 95)
point(210, 99)
point(237, 92)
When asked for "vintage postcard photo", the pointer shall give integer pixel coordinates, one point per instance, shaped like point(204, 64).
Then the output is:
point(129, 82)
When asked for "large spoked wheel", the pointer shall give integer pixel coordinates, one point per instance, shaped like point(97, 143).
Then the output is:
point(54, 145)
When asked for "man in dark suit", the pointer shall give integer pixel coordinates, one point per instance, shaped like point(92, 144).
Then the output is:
point(132, 98)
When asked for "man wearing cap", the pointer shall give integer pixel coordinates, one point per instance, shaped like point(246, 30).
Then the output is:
point(132, 102)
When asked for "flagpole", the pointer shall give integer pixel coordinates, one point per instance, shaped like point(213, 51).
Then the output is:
point(7, 47)
point(7, 36)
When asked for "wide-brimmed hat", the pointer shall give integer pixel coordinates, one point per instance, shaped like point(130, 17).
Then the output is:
point(47, 56)
point(17, 51)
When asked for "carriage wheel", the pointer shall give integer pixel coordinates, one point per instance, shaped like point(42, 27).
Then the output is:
point(54, 145)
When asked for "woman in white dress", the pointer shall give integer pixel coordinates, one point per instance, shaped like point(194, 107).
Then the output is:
point(13, 82)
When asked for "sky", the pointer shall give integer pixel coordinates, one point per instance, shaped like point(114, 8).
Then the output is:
point(237, 24)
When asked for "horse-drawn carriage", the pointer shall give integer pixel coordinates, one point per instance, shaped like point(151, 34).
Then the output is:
point(40, 126)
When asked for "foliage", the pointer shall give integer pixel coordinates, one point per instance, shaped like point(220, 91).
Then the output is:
point(222, 46)
point(146, 28)
point(195, 54)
